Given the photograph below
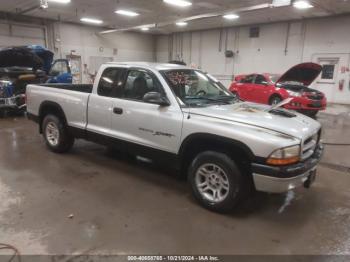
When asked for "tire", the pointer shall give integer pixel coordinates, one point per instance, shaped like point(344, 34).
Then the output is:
point(228, 179)
point(56, 135)
point(2, 113)
point(275, 99)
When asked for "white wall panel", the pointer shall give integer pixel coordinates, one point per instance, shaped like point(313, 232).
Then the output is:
point(14, 35)
point(306, 40)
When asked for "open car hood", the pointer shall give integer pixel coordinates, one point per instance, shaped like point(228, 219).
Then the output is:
point(35, 57)
point(304, 73)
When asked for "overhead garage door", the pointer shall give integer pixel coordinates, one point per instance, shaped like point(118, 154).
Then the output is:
point(16, 35)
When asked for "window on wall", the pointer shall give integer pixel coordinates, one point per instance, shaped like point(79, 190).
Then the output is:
point(328, 72)
point(329, 69)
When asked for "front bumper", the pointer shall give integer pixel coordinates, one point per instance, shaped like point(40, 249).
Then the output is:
point(14, 102)
point(306, 104)
point(275, 179)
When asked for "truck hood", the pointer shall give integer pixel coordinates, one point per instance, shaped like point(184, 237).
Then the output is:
point(298, 126)
point(304, 73)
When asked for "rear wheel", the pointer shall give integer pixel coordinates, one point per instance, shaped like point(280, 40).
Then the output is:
point(216, 181)
point(56, 135)
point(274, 100)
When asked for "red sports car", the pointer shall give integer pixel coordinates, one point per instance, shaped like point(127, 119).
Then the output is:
point(272, 89)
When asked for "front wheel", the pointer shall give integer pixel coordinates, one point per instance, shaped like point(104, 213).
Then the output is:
point(216, 181)
point(56, 135)
point(2, 113)
point(275, 100)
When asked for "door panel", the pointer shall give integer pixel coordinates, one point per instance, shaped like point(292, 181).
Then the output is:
point(147, 124)
point(144, 123)
point(60, 72)
point(99, 114)
point(246, 88)
point(100, 104)
point(260, 90)
point(335, 77)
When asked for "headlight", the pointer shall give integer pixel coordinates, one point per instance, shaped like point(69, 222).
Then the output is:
point(295, 94)
point(5, 88)
point(285, 156)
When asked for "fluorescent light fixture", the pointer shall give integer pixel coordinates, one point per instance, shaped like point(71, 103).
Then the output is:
point(126, 12)
point(302, 4)
point(181, 23)
point(91, 20)
point(144, 29)
point(181, 3)
point(60, 1)
point(231, 16)
point(280, 3)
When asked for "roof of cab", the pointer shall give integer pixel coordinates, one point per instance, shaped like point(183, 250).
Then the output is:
point(149, 65)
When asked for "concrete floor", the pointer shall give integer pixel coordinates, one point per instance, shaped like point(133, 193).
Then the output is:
point(123, 207)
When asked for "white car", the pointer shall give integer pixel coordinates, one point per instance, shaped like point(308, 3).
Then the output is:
point(186, 118)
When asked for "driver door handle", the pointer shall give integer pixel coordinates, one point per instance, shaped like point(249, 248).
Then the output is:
point(118, 111)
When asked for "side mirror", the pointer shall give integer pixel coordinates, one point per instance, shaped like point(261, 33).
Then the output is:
point(156, 98)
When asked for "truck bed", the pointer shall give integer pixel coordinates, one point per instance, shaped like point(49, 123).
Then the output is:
point(72, 99)
point(85, 88)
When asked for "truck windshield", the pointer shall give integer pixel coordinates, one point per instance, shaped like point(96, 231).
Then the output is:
point(195, 88)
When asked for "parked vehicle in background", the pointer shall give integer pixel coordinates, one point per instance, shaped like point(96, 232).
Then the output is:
point(186, 119)
point(272, 89)
point(20, 66)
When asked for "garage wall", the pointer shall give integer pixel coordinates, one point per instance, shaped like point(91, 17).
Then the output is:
point(94, 48)
point(89, 49)
point(21, 34)
point(280, 46)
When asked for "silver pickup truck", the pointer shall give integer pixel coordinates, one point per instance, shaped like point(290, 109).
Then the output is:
point(186, 118)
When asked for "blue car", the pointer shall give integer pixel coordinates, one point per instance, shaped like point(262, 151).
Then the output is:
point(20, 66)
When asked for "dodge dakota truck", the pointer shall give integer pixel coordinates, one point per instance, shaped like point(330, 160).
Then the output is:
point(184, 117)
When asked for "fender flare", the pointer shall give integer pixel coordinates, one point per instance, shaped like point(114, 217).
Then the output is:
point(50, 104)
point(229, 141)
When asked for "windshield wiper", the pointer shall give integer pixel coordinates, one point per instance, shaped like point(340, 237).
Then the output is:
point(213, 99)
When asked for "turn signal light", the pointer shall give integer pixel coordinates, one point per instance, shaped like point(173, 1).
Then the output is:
point(282, 162)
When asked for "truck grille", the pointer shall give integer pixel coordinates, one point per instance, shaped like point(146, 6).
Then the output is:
point(310, 145)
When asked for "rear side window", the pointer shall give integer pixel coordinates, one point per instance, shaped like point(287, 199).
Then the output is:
point(111, 82)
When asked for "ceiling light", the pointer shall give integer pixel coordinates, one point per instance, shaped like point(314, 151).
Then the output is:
point(231, 16)
point(91, 20)
point(126, 12)
point(60, 1)
point(44, 4)
point(181, 3)
point(181, 23)
point(144, 29)
point(280, 3)
point(302, 4)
